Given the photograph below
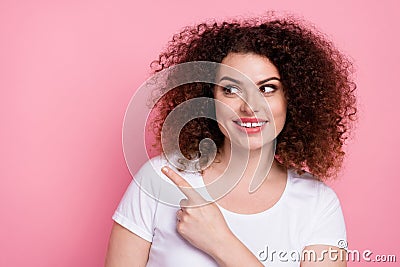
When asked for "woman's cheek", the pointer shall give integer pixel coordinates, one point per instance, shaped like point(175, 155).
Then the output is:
point(278, 109)
point(221, 114)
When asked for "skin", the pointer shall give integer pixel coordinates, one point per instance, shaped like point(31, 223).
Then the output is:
point(204, 226)
point(254, 90)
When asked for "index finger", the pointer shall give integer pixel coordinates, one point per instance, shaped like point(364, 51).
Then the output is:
point(183, 185)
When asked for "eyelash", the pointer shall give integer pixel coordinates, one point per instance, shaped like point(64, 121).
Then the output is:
point(230, 87)
point(272, 86)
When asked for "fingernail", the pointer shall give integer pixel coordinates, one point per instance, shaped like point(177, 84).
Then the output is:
point(165, 169)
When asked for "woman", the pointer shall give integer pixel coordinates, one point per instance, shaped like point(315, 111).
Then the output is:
point(280, 87)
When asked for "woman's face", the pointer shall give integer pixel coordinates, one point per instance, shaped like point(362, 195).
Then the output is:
point(249, 100)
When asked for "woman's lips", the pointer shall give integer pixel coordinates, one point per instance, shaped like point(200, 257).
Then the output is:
point(250, 125)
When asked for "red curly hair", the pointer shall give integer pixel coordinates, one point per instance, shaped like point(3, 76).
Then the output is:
point(317, 81)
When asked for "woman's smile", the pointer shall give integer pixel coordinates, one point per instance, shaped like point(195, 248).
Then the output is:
point(249, 100)
point(250, 125)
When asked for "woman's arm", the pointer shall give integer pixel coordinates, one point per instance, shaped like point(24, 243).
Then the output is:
point(126, 249)
point(323, 256)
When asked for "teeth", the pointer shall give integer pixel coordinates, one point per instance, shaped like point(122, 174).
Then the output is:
point(251, 124)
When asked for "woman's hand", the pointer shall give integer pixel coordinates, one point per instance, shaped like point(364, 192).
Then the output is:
point(198, 221)
point(202, 224)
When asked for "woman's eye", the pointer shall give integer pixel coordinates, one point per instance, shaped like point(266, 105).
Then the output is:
point(230, 90)
point(268, 88)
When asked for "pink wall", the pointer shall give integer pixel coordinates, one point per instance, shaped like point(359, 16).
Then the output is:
point(67, 72)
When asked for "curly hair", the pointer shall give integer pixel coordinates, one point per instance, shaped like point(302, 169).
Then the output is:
point(316, 77)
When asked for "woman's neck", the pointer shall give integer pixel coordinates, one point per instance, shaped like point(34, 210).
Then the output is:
point(248, 168)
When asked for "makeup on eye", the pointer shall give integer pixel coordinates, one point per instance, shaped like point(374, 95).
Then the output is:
point(268, 88)
point(234, 89)
point(231, 90)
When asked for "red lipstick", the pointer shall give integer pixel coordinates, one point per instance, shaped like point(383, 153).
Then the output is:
point(251, 120)
point(250, 125)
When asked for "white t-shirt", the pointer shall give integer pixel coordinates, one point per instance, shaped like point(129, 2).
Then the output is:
point(308, 212)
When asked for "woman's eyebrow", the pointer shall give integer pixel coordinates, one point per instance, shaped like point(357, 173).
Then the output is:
point(239, 82)
point(267, 80)
point(230, 79)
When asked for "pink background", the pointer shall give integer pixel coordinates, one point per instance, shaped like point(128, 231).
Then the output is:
point(67, 72)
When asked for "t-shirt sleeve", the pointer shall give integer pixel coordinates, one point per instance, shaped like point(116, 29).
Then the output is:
point(136, 211)
point(328, 225)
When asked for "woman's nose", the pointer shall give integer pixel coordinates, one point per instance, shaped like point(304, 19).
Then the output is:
point(249, 105)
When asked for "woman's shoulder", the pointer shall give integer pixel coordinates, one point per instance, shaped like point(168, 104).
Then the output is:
point(154, 164)
point(152, 181)
point(308, 185)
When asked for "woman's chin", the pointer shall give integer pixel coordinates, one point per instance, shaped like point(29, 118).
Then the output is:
point(250, 142)
point(254, 145)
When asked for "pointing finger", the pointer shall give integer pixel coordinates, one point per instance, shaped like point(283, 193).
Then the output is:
point(183, 185)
